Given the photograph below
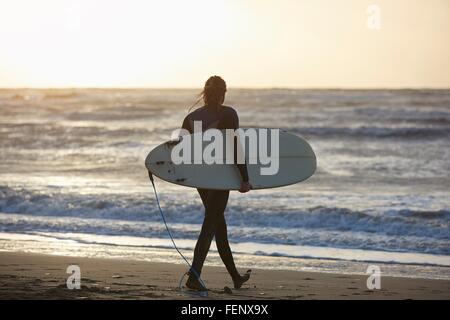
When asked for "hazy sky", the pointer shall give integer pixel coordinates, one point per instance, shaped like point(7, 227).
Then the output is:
point(251, 43)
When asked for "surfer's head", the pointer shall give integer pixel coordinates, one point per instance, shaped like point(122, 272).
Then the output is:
point(213, 93)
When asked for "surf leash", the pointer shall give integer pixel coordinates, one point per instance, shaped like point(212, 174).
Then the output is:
point(203, 292)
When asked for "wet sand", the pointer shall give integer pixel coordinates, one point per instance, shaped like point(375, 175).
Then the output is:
point(35, 276)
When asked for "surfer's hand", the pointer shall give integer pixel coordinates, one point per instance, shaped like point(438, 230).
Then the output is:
point(245, 187)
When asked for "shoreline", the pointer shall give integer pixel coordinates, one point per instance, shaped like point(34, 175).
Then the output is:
point(40, 276)
point(247, 255)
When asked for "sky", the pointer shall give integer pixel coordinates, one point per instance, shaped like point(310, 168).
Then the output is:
point(251, 43)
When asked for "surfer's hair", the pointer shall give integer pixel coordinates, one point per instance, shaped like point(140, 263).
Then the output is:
point(213, 92)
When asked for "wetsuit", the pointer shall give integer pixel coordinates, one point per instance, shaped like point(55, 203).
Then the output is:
point(215, 201)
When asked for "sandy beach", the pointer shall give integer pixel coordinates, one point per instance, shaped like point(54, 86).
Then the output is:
point(36, 276)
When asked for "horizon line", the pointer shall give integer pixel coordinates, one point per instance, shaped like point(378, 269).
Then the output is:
point(231, 88)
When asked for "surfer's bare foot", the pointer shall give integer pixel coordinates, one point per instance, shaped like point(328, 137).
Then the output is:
point(193, 284)
point(238, 282)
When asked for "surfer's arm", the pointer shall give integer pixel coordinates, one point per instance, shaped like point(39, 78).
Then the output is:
point(242, 167)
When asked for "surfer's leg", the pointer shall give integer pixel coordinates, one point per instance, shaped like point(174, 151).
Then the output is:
point(223, 246)
point(221, 235)
point(202, 245)
point(203, 195)
point(215, 202)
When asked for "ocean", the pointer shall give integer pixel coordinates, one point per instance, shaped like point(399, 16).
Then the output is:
point(73, 180)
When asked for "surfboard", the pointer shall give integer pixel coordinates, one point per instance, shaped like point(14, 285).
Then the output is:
point(292, 155)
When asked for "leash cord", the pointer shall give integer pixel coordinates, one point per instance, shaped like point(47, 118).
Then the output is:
point(173, 241)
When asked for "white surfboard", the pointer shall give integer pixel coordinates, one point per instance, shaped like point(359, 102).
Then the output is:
point(296, 162)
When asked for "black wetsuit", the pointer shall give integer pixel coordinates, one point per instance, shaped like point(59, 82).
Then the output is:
point(215, 201)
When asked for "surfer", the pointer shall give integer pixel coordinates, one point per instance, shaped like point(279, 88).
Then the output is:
point(215, 115)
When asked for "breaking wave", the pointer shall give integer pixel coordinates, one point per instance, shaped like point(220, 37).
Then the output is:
point(410, 230)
